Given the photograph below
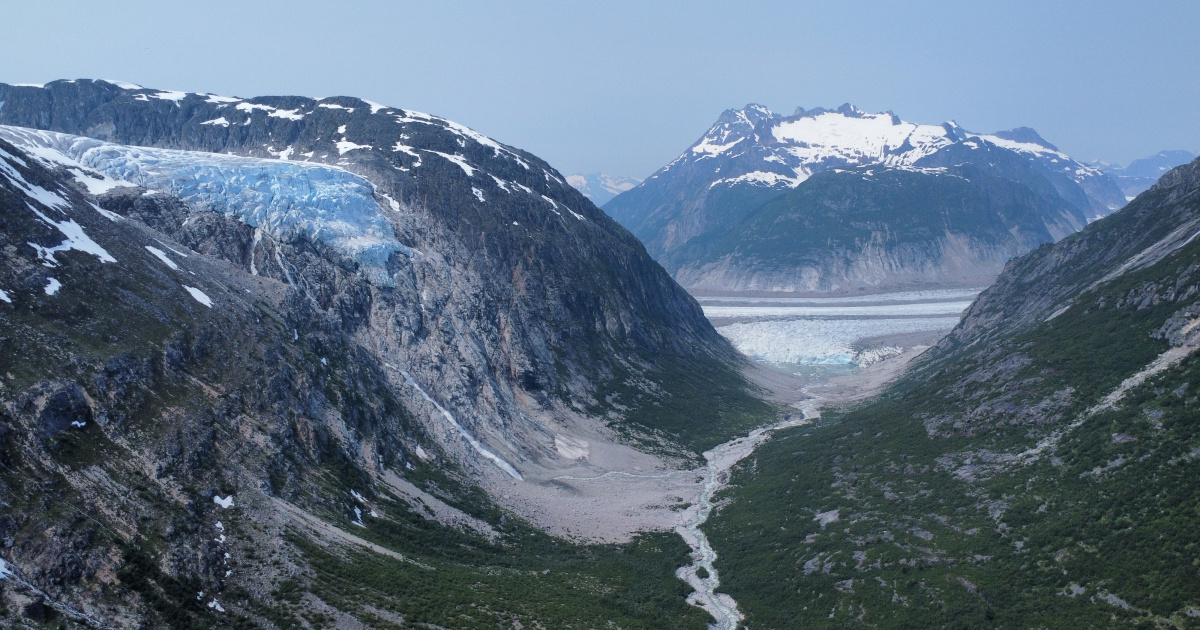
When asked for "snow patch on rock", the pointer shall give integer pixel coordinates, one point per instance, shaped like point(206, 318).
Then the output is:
point(161, 255)
point(199, 296)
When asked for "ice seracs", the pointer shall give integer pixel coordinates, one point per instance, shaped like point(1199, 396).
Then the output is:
point(285, 198)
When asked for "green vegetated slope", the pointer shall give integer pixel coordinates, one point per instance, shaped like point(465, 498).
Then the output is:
point(683, 407)
point(455, 580)
point(846, 210)
point(987, 488)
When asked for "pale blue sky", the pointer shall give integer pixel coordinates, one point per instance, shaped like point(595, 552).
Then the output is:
point(624, 87)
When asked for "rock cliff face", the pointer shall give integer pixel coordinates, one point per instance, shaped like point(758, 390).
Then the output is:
point(1050, 280)
point(846, 201)
point(236, 325)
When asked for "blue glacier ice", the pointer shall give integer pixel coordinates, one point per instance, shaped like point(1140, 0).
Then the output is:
point(285, 199)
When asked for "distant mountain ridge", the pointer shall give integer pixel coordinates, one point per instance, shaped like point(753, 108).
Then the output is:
point(599, 187)
point(1022, 191)
point(1142, 173)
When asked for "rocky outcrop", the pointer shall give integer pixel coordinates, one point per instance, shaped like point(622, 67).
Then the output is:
point(1049, 280)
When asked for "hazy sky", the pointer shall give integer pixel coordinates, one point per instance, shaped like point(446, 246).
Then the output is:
point(624, 87)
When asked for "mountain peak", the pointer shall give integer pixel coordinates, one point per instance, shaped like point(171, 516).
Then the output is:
point(1025, 135)
point(747, 117)
point(1142, 173)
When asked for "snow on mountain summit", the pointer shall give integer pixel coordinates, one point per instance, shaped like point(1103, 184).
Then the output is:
point(765, 148)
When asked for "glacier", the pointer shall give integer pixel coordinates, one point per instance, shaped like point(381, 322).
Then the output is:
point(815, 341)
point(287, 200)
point(865, 310)
point(850, 330)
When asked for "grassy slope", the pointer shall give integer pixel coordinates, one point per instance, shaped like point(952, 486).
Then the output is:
point(693, 403)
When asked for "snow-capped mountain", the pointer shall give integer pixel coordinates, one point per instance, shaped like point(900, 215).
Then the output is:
point(1142, 173)
point(600, 188)
point(686, 211)
point(788, 150)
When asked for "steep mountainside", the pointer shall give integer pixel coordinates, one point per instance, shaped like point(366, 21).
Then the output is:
point(485, 273)
point(280, 362)
point(1141, 174)
point(757, 177)
point(1039, 467)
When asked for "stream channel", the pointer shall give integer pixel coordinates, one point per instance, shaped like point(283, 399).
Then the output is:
point(721, 460)
point(814, 338)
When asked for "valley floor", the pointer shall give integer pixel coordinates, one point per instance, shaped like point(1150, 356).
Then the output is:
point(615, 491)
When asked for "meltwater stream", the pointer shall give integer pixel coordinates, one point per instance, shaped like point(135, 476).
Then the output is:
point(721, 459)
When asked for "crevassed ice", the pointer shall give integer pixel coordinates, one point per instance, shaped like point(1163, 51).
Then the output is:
point(285, 199)
point(924, 295)
point(820, 341)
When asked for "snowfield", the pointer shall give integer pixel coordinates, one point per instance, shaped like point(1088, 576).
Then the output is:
point(783, 152)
